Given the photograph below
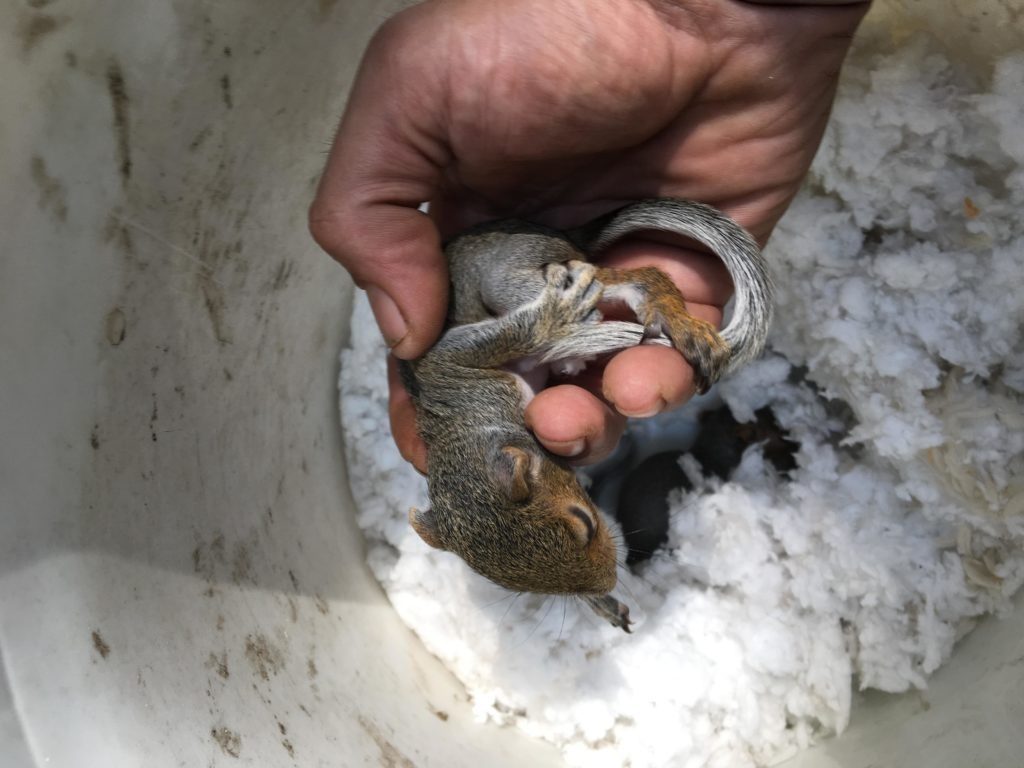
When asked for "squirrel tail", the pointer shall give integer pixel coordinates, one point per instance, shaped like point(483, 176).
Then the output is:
point(592, 339)
point(752, 311)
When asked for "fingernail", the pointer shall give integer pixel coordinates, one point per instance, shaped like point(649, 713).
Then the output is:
point(389, 318)
point(567, 449)
point(654, 410)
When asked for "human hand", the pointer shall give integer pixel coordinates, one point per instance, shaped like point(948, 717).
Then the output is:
point(557, 113)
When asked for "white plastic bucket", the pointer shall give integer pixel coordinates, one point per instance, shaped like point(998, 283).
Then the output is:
point(181, 579)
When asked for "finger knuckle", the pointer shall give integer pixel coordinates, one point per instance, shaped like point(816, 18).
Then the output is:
point(328, 228)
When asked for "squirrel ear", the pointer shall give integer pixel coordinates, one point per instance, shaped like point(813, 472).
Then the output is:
point(512, 471)
point(424, 524)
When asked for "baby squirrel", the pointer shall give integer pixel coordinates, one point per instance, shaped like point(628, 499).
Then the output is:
point(524, 297)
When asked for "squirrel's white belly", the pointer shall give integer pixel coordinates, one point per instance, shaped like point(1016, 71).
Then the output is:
point(532, 376)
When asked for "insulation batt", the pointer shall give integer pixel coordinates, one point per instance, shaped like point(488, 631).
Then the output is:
point(901, 293)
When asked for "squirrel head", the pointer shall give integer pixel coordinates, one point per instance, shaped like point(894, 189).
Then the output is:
point(530, 526)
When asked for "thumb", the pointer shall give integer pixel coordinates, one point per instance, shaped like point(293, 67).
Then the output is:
point(385, 161)
point(393, 252)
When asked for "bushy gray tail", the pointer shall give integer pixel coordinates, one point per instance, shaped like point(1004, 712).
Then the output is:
point(589, 340)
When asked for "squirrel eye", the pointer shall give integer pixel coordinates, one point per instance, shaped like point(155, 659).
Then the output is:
point(587, 520)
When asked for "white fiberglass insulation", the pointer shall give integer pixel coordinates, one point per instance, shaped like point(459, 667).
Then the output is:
point(900, 272)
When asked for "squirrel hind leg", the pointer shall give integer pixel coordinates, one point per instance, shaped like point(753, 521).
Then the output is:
point(660, 307)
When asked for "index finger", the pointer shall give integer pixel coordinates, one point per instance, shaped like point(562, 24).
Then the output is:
point(385, 161)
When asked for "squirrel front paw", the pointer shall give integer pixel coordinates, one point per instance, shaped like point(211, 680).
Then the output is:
point(570, 294)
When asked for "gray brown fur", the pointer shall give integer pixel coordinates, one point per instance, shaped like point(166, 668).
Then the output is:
point(514, 512)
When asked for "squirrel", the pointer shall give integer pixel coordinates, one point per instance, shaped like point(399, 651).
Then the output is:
point(525, 298)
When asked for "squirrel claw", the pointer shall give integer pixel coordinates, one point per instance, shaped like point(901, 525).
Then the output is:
point(571, 294)
point(614, 611)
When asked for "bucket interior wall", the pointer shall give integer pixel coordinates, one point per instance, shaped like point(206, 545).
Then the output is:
point(181, 578)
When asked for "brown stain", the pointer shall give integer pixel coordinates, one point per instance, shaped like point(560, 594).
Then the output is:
point(971, 211)
point(220, 623)
point(219, 665)
point(119, 102)
point(213, 300)
point(115, 325)
point(311, 669)
point(207, 557)
point(100, 644)
point(284, 271)
point(225, 91)
point(241, 570)
point(229, 742)
point(390, 755)
point(321, 604)
point(200, 137)
point(116, 231)
point(35, 27)
point(440, 714)
point(265, 658)
point(94, 437)
point(321, 337)
point(288, 747)
point(209, 33)
point(52, 195)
